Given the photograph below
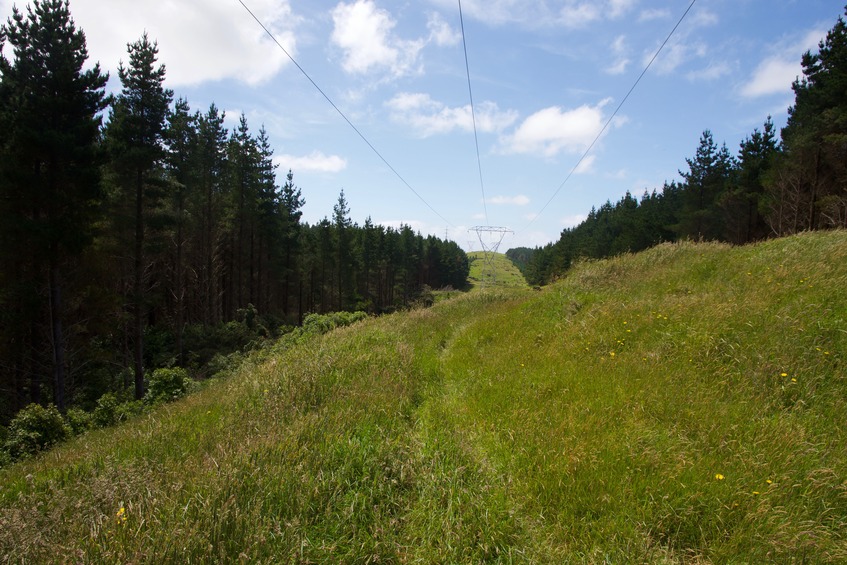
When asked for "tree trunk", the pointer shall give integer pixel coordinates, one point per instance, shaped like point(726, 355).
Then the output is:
point(57, 334)
point(138, 323)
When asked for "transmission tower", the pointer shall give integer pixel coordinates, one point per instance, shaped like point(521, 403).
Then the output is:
point(490, 238)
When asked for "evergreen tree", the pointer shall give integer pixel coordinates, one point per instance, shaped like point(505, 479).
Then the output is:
point(135, 133)
point(49, 170)
point(742, 202)
point(343, 252)
point(210, 160)
point(290, 204)
point(706, 180)
point(180, 137)
point(808, 189)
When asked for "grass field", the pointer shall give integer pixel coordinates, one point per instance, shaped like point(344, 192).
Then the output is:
point(682, 405)
point(493, 270)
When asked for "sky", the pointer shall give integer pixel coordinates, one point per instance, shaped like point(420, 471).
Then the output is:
point(546, 76)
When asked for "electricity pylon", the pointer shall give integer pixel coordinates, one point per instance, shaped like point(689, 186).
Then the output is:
point(490, 245)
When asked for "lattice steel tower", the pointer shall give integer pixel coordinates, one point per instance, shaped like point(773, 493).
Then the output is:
point(490, 238)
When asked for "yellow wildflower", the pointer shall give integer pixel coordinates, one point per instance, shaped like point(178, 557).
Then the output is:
point(719, 477)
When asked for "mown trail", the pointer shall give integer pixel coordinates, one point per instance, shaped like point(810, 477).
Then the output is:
point(681, 405)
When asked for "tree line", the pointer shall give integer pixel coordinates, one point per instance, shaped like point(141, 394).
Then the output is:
point(138, 233)
point(776, 184)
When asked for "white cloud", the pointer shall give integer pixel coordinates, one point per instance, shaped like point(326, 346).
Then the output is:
point(519, 200)
point(198, 41)
point(441, 33)
point(586, 165)
point(365, 35)
point(776, 73)
point(534, 14)
point(620, 51)
point(553, 130)
point(703, 18)
point(430, 117)
point(315, 161)
point(654, 14)
point(713, 71)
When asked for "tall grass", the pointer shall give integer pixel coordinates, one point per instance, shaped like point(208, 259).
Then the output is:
point(681, 405)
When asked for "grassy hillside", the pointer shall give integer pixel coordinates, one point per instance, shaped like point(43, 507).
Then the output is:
point(499, 272)
point(681, 405)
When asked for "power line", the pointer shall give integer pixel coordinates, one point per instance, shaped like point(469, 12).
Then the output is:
point(340, 113)
point(473, 111)
point(612, 117)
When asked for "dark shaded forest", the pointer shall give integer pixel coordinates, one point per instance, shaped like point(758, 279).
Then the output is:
point(139, 233)
point(777, 184)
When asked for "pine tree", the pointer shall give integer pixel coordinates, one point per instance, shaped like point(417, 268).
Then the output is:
point(343, 252)
point(706, 180)
point(809, 187)
point(135, 133)
point(180, 137)
point(742, 202)
point(50, 156)
point(291, 203)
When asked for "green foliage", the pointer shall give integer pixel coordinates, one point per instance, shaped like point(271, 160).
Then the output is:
point(34, 429)
point(79, 420)
point(318, 324)
point(111, 410)
point(106, 412)
point(166, 385)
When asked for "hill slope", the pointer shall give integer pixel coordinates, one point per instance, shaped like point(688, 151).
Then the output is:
point(498, 271)
point(681, 405)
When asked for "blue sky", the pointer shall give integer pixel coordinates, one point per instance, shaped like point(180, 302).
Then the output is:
point(546, 76)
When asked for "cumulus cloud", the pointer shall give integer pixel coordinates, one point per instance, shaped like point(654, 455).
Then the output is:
point(315, 161)
point(519, 200)
point(365, 35)
point(554, 130)
point(198, 41)
point(427, 116)
point(776, 73)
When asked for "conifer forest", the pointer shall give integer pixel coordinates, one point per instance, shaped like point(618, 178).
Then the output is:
point(139, 232)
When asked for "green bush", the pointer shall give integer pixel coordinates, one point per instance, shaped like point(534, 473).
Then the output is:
point(166, 385)
point(129, 409)
point(105, 413)
point(79, 420)
point(35, 428)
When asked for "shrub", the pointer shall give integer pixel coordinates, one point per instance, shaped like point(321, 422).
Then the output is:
point(166, 385)
point(105, 413)
point(79, 420)
point(129, 409)
point(35, 428)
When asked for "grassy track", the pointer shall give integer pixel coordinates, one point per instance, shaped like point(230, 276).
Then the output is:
point(683, 405)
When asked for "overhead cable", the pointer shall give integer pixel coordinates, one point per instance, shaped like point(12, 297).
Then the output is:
point(473, 111)
point(612, 117)
point(340, 113)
